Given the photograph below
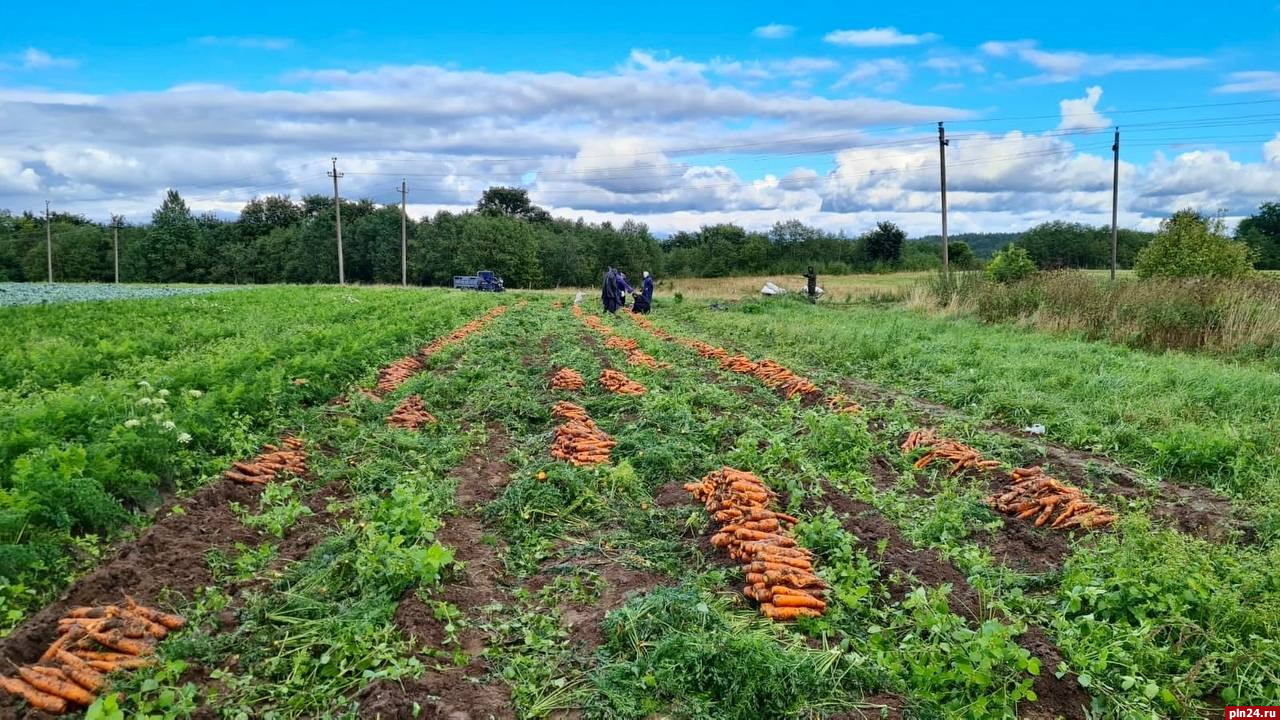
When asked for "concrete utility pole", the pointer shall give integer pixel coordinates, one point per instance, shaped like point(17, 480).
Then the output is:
point(48, 240)
point(337, 214)
point(1115, 199)
point(942, 165)
point(115, 246)
point(404, 237)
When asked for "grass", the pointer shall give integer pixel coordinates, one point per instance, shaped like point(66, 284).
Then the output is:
point(1155, 623)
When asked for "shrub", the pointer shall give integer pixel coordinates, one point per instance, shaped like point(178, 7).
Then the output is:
point(1011, 265)
point(1192, 245)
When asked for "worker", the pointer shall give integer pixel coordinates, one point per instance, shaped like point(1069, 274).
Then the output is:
point(624, 289)
point(812, 277)
point(644, 300)
point(609, 291)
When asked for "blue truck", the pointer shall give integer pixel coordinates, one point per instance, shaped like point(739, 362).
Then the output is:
point(484, 281)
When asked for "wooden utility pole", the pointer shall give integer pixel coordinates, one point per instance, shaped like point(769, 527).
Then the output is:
point(337, 214)
point(942, 165)
point(404, 237)
point(115, 245)
point(48, 240)
point(1115, 199)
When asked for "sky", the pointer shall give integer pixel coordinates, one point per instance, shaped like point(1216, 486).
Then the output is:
point(676, 114)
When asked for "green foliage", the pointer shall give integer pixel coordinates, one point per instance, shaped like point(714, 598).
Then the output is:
point(1011, 265)
point(1189, 244)
point(1058, 244)
point(1261, 232)
point(884, 243)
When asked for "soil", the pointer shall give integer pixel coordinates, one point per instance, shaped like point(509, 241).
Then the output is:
point(448, 691)
point(1056, 697)
point(881, 706)
point(169, 558)
point(620, 584)
point(672, 495)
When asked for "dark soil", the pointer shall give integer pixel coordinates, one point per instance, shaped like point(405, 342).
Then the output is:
point(881, 706)
point(620, 584)
point(449, 691)
point(1056, 697)
point(672, 495)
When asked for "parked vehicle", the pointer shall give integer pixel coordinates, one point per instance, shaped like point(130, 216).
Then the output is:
point(484, 281)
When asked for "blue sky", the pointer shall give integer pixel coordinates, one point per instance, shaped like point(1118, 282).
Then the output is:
point(677, 114)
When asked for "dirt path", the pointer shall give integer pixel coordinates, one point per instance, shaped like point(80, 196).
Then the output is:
point(456, 692)
point(909, 566)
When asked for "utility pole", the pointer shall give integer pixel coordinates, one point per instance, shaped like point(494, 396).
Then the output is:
point(48, 240)
point(942, 164)
point(115, 245)
point(337, 214)
point(404, 237)
point(1115, 199)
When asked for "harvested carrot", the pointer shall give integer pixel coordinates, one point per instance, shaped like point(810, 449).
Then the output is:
point(34, 697)
point(56, 683)
point(618, 383)
point(117, 640)
point(113, 666)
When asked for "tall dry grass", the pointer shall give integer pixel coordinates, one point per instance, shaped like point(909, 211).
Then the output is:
point(1226, 317)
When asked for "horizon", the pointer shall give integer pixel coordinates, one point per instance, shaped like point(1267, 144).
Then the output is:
point(803, 112)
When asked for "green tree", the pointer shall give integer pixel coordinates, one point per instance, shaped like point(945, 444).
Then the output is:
point(884, 243)
point(961, 255)
point(510, 202)
point(1190, 244)
point(1261, 232)
point(1059, 244)
point(165, 253)
point(1011, 265)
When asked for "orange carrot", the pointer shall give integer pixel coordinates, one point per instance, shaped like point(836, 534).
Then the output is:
point(52, 681)
point(802, 601)
point(35, 698)
point(116, 640)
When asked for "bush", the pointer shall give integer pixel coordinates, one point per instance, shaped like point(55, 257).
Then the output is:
point(1192, 245)
point(1011, 265)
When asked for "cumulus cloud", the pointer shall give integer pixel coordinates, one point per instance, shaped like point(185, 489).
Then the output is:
point(774, 31)
point(797, 67)
point(246, 42)
point(1082, 113)
point(36, 59)
point(954, 65)
point(878, 37)
point(885, 74)
point(1251, 81)
point(1063, 66)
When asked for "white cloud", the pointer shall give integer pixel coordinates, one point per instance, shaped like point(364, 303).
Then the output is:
point(1063, 66)
point(954, 65)
point(878, 37)
point(247, 42)
point(1251, 81)
point(774, 31)
point(797, 67)
point(1082, 113)
point(885, 73)
point(36, 59)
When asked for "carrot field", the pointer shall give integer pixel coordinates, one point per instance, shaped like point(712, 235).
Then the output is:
point(324, 502)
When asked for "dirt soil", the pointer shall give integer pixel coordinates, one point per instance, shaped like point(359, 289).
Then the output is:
point(450, 692)
point(1057, 697)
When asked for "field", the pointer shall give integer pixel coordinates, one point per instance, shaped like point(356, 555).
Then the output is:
point(438, 535)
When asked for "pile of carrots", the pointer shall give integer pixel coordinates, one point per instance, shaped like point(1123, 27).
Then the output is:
point(578, 440)
point(1035, 494)
point(594, 322)
point(739, 364)
point(567, 379)
point(779, 573)
point(706, 350)
point(961, 456)
point(462, 333)
point(395, 374)
point(410, 414)
point(618, 383)
point(93, 641)
point(650, 328)
point(291, 459)
point(634, 354)
point(780, 378)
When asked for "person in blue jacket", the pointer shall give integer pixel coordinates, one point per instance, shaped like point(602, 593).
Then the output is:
point(644, 301)
point(624, 289)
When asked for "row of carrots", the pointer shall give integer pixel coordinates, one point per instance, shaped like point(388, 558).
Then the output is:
point(92, 642)
point(290, 459)
point(773, 374)
point(1031, 494)
point(578, 440)
point(635, 355)
point(394, 375)
point(410, 414)
point(779, 573)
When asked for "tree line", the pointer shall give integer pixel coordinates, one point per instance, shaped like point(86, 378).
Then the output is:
point(278, 239)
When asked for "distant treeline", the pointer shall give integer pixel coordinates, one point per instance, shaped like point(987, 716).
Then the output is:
point(276, 239)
